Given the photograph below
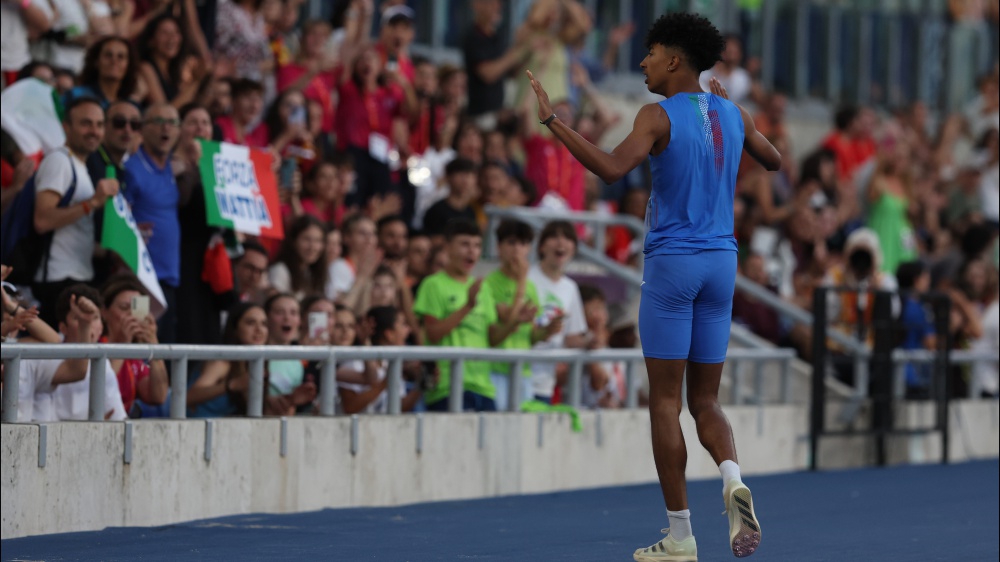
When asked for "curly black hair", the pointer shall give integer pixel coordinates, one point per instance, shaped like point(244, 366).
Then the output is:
point(691, 33)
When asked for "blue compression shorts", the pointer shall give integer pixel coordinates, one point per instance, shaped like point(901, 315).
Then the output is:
point(687, 305)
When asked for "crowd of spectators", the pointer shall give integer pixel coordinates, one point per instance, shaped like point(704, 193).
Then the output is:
point(385, 163)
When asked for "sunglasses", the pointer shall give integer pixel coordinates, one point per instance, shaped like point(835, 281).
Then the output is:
point(121, 123)
point(161, 121)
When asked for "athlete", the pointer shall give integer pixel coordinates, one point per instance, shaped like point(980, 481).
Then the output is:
point(693, 140)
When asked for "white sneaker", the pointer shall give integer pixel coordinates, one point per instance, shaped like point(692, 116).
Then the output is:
point(669, 549)
point(744, 530)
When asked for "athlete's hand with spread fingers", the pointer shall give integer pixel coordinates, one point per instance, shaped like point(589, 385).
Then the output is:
point(717, 88)
point(544, 106)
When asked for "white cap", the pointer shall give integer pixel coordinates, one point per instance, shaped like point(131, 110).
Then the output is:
point(396, 12)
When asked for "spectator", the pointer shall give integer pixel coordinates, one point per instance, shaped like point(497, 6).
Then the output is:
point(730, 72)
point(395, 35)
point(154, 197)
point(249, 273)
point(467, 143)
point(324, 196)
point(549, 165)
point(360, 259)
point(69, 257)
point(145, 380)
point(287, 387)
point(542, 32)
point(17, 169)
point(40, 378)
point(313, 71)
point(890, 197)
point(221, 387)
point(286, 126)
point(604, 381)
point(488, 60)
point(752, 313)
point(916, 325)
point(388, 326)
point(393, 237)
point(851, 142)
point(418, 257)
point(986, 374)
point(111, 72)
point(462, 191)
point(301, 267)
point(168, 70)
point(247, 105)
point(456, 313)
point(20, 320)
point(71, 401)
point(427, 123)
point(517, 306)
point(370, 119)
point(21, 21)
point(989, 187)
point(561, 308)
point(241, 42)
point(122, 125)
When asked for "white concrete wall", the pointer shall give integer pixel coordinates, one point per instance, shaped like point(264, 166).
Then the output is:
point(85, 484)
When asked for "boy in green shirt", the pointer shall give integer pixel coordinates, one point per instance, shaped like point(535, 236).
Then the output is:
point(517, 306)
point(454, 312)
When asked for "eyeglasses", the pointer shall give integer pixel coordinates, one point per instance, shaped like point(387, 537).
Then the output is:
point(121, 123)
point(161, 121)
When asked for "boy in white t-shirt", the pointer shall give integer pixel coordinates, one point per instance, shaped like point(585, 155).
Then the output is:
point(559, 301)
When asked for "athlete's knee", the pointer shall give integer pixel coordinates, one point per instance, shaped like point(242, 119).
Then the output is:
point(703, 406)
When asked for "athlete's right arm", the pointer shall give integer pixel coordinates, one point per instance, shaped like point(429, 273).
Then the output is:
point(650, 125)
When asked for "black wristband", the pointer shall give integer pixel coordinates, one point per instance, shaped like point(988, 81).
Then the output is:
point(548, 120)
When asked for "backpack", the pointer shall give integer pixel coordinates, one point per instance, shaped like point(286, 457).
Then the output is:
point(23, 248)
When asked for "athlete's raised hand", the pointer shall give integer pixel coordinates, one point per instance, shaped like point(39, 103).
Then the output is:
point(544, 107)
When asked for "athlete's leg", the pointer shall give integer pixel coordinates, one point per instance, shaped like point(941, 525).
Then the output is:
point(669, 451)
point(714, 430)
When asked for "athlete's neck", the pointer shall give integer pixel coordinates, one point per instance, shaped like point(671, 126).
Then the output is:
point(688, 83)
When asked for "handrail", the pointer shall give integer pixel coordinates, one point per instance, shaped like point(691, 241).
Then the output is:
point(901, 357)
point(181, 354)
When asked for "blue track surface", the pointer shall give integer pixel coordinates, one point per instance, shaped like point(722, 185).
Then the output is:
point(902, 513)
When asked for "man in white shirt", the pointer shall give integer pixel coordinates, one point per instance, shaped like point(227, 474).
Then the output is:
point(69, 257)
point(559, 301)
point(41, 379)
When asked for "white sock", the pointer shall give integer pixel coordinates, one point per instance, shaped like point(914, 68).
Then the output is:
point(680, 524)
point(730, 471)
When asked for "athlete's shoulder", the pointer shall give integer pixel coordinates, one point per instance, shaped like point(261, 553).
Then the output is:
point(653, 116)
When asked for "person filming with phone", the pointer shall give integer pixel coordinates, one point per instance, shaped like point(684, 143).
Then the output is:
point(127, 319)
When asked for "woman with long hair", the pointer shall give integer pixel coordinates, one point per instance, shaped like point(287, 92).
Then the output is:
point(890, 197)
point(301, 267)
point(168, 68)
point(110, 73)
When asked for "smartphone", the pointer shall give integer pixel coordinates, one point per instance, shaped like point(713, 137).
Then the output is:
point(287, 172)
point(298, 116)
point(392, 63)
point(140, 306)
point(318, 323)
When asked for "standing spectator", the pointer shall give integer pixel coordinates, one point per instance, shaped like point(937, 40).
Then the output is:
point(550, 166)
point(561, 307)
point(989, 186)
point(312, 72)
point(301, 267)
point(21, 21)
point(122, 126)
point(517, 305)
point(169, 71)
point(68, 261)
point(730, 72)
point(429, 119)
point(890, 197)
point(324, 194)
point(986, 374)
point(241, 40)
point(137, 379)
point(111, 72)
point(460, 174)
point(456, 313)
point(247, 105)
point(394, 40)
point(916, 324)
point(851, 141)
point(154, 198)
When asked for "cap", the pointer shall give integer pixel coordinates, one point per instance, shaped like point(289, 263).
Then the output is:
point(397, 14)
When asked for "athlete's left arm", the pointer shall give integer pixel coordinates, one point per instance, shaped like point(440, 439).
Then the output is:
point(651, 123)
point(758, 146)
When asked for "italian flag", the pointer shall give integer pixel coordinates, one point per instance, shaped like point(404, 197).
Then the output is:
point(241, 191)
point(121, 235)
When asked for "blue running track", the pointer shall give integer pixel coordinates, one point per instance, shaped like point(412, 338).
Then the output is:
point(903, 513)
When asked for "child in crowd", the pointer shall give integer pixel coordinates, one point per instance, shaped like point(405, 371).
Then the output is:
point(604, 381)
point(460, 174)
point(455, 312)
point(360, 258)
point(301, 267)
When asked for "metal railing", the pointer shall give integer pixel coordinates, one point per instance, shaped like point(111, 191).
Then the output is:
point(181, 355)
point(903, 357)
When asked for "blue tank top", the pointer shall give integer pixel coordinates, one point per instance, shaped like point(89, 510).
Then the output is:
point(694, 179)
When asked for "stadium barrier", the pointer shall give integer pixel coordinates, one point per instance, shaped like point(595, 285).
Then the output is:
point(181, 355)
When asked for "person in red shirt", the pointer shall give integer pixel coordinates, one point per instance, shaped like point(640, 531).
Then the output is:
point(370, 121)
point(549, 163)
point(313, 72)
point(852, 141)
point(394, 40)
point(248, 103)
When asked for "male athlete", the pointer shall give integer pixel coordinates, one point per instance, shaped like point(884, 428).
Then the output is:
point(693, 140)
